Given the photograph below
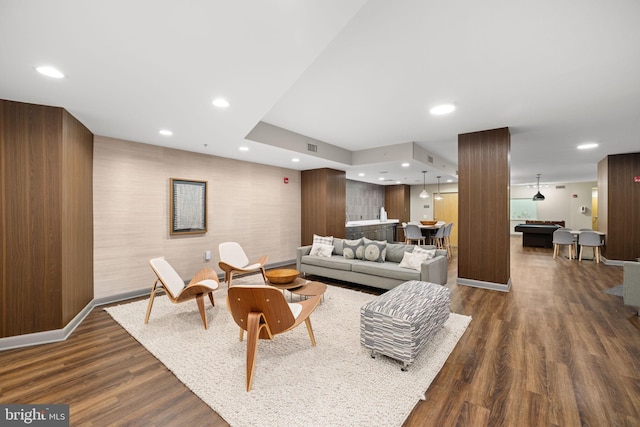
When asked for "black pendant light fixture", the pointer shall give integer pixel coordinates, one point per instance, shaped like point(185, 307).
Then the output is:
point(538, 197)
point(423, 193)
point(438, 197)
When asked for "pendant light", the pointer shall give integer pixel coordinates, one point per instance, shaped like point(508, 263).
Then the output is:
point(424, 194)
point(438, 197)
point(538, 197)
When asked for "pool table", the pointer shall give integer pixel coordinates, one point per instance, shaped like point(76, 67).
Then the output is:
point(540, 235)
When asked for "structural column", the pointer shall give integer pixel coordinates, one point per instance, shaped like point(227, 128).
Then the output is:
point(483, 186)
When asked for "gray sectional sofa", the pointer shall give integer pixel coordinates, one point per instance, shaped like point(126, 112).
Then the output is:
point(384, 275)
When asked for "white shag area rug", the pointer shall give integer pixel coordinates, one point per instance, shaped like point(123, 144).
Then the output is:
point(336, 383)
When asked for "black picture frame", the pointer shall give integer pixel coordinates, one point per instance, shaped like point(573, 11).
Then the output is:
point(188, 206)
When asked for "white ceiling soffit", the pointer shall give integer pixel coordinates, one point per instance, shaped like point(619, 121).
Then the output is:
point(378, 158)
point(357, 75)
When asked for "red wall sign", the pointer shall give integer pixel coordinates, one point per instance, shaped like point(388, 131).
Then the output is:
point(636, 179)
point(286, 180)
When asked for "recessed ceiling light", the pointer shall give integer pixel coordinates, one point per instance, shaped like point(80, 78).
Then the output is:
point(295, 159)
point(243, 148)
point(220, 103)
point(405, 165)
point(398, 182)
point(449, 180)
point(439, 110)
point(381, 179)
point(165, 132)
point(50, 72)
point(587, 146)
point(361, 174)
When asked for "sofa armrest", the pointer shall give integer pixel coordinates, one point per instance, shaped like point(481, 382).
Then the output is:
point(300, 252)
point(434, 270)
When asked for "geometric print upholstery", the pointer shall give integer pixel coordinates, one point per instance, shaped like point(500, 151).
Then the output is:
point(399, 322)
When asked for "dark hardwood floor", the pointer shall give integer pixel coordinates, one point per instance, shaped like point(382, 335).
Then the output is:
point(555, 351)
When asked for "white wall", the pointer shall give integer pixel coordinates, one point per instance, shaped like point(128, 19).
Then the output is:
point(247, 202)
point(418, 210)
point(560, 203)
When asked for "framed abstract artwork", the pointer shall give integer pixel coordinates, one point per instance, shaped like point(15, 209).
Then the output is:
point(188, 206)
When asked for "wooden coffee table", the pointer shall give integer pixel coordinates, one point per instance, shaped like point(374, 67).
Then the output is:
point(310, 289)
point(297, 282)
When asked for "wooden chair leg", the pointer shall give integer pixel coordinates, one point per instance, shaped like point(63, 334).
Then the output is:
point(203, 313)
point(253, 334)
point(229, 279)
point(151, 297)
point(211, 299)
point(264, 275)
point(307, 322)
point(580, 256)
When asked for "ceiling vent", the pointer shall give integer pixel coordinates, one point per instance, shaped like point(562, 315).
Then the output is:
point(430, 159)
point(312, 147)
point(559, 187)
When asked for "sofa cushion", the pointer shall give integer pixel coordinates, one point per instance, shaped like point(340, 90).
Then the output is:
point(395, 251)
point(375, 251)
point(353, 249)
point(337, 245)
point(335, 262)
point(385, 269)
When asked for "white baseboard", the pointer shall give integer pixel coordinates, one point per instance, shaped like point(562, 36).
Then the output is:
point(485, 285)
point(57, 335)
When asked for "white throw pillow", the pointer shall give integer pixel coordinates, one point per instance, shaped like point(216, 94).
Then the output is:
point(410, 260)
point(325, 240)
point(320, 249)
point(427, 253)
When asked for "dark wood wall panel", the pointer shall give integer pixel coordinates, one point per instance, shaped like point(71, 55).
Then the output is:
point(33, 205)
point(31, 139)
point(483, 185)
point(397, 201)
point(621, 206)
point(324, 198)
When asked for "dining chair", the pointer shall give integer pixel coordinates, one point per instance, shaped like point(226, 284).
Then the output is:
point(204, 282)
point(413, 233)
point(234, 260)
point(264, 312)
point(446, 238)
point(437, 239)
point(590, 239)
point(563, 237)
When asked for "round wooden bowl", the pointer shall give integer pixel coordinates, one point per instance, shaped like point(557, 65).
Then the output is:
point(428, 222)
point(282, 276)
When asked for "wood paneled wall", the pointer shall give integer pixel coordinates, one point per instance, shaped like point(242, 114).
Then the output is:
point(46, 250)
point(619, 206)
point(397, 200)
point(483, 215)
point(323, 203)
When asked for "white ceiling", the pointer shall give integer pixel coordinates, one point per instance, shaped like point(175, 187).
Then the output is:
point(352, 75)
